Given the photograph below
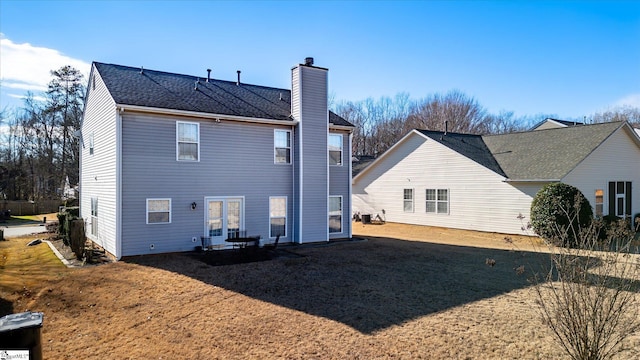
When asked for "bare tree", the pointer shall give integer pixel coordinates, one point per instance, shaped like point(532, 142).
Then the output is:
point(630, 114)
point(39, 150)
point(461, 113)
point(587, 295)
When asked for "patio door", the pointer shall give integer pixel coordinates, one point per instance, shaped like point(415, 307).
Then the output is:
point(224, 218)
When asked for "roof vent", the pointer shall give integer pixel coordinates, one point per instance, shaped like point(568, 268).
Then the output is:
point(141, 69)
point(308, 61)
point(196, 86)
point(238, 83)
point(281, 97)
point(208, 75)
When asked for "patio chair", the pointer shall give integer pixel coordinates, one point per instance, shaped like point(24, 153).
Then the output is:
point(274, 246)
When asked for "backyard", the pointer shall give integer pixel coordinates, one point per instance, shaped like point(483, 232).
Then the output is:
point(397, 291)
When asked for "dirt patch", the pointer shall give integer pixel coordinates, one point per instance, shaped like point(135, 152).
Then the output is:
point(408, 298)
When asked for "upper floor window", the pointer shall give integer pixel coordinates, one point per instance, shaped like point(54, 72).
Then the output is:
point(188, 141)
point(282, 146)
point(335, 149)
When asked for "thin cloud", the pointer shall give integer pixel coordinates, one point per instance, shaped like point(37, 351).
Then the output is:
point(27, 67)
point(36, 98)
point(632, 100)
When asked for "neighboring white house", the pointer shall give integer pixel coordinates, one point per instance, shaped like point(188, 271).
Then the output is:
point(169, 158)
point(487, 182)
point(550, 123)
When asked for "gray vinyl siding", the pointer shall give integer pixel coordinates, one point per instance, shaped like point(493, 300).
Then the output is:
point(310, 84)
point(236, 159)
point(339, 181)
point(98, 171)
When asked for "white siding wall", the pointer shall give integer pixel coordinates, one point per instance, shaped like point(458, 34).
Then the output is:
point(479, 199)
point(98, 171)
point(617, 159)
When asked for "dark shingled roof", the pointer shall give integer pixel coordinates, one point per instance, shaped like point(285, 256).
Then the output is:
point(359, 163)
point(468, 145)
point(547, 154)
point(562, 122)
point(157, 89)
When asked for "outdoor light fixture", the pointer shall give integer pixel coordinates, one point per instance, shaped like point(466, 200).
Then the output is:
point(193, 205)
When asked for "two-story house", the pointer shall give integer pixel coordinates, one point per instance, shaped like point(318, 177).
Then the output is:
point(168, 158)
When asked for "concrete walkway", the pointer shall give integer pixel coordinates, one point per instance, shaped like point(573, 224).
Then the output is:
point(21, 230)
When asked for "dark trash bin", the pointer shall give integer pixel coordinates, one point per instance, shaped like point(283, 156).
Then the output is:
point(206, 242)
point(22, 332)
point(366, 218)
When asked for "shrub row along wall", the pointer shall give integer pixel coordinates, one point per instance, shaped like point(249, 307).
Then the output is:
point(20, 208)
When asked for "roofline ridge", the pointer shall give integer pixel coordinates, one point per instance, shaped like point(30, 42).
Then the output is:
point(202, 78)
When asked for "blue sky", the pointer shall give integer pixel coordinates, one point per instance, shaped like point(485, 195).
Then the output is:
point(570, 59)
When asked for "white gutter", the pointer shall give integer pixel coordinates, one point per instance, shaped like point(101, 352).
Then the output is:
point(341, 127)
point(202, 115)
point(531, 180)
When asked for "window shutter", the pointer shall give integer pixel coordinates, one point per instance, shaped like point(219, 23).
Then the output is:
point(627, 194)
point(612, 198)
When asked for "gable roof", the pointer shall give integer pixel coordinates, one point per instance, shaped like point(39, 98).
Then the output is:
point(468, 145)
point(540, 155)
point(359, 163)
point(548, 154)
point(556, 123)
point(157, 89)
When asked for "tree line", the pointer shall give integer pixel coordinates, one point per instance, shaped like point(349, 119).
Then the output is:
point(39, 145)
point(381, 123)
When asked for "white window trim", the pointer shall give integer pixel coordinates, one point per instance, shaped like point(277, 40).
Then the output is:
point(413, 200)
point(290, 147)
point(341, 215)
point(286, 210)
point(91, 144)
point(178, 140)
point(341, 163)
point(94, 219)
point(436, 201)
point(147, 211)
point(596, 203)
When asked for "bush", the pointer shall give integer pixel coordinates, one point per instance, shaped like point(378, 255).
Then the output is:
point(64, 220)
point(559, 206)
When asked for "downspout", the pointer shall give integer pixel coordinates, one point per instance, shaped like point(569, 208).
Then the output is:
point(300, 152)
point(350, 198)
point(119, 184)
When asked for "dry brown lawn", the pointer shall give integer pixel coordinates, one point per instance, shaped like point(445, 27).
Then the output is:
point(403, 293)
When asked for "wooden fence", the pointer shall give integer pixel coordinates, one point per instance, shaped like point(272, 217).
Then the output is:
point(20, 208)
